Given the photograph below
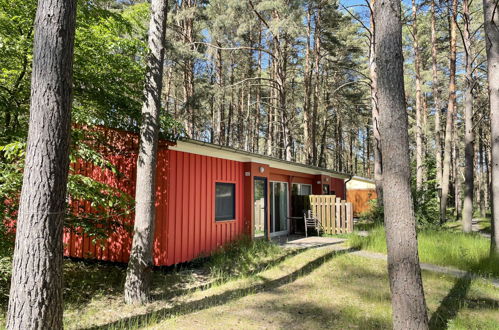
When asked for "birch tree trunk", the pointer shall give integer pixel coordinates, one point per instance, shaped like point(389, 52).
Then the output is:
point(491, 24)
point(137, 284)
point(35, 299)
point(408, 303)
point(468, 124)
point(450, 113)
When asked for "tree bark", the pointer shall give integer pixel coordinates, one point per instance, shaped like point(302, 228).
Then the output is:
point(436, 100)
point(456, 170)
point(419, 128)
point(35, 299)
point(137, 284)
point(450, 113)
point(378, 172)
point(307, 82)
point(408, 303)
point(315, 104)
point(484, 172)
point(469, 148)
point(491, 24)
point(220, 127)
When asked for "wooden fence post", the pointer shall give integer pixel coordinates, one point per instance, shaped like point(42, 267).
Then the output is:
point(349, 217)
point(333, 214)
point(338, 215)
point(343, 217)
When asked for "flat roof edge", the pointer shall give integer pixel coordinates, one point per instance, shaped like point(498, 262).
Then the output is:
point(253, 157)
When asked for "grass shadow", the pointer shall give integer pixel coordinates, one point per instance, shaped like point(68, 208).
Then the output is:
point(451, 304)
point(211, 301)
point(84, 279)
point(169, 293)
point(482, 303)
point(365, 225)
point(483, 224)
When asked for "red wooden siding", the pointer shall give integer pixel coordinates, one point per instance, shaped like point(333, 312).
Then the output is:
point(185, 215)
point(117, 247)
point(186, 228)
point(185, 225)
point(338, 186)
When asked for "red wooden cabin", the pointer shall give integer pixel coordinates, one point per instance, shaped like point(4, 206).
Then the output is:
point(207, 195)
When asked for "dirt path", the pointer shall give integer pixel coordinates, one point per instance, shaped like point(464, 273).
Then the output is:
point(337, 244)
point(323, 286)
point(475, 226)
point(430, 267)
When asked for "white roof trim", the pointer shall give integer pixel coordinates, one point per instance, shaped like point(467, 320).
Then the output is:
point(360, 178)
point(220, 152)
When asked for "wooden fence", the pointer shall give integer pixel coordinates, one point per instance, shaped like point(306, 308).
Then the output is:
point(335, 215)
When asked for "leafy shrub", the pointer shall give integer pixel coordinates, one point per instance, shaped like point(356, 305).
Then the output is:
point(107, 203)
point(426, 208)
point(6, 250)
point(375, 213)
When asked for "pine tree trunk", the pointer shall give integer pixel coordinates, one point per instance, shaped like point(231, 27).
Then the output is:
point(491, 24)
point(469, 148)
point(138, 278)
point(436, 100)
point(35, 299)
point(220, 127)
point(258, 97)
point(378, 173)
point(450, 114)
point(408, 303)
point(307, 142)
point(315, 104)
point(457, 173)
point(419, 128)
point(483, 173)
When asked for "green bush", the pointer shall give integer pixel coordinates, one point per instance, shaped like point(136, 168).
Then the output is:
point(426, 208)
point(375, 213)
point(6, 251)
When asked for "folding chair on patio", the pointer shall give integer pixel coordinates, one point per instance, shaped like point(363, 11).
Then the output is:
point(312, 222)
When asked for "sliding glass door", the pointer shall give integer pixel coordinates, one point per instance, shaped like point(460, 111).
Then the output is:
point(278, 208)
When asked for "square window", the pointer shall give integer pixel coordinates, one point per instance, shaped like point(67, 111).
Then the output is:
point(305, 190)
point(225, 201)
point(301, 189)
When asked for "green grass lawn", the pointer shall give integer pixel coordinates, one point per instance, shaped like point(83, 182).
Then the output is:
point(446, 247)
point(319, 289)
point(256, 285)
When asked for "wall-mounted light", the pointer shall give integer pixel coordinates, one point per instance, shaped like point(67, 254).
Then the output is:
point(261, 169)
point(247, 173)
point(318, 182)
point(327, 179)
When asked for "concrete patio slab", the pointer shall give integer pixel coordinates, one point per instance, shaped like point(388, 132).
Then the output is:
point(300, 242)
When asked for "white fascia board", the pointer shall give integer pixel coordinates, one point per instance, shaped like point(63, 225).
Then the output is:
point(362, 179)
point(206, 149)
